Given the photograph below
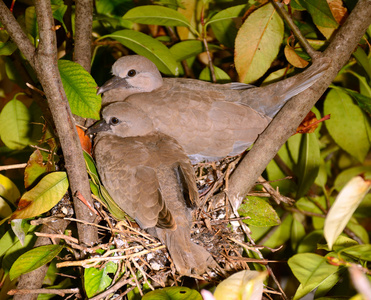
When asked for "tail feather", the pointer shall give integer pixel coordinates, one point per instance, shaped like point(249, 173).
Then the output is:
point(269, 99)
point(189, 258)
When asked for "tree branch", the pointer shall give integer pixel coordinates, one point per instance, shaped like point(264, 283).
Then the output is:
point(290, 116)
point(48, 74)
point(303, 41)
point(83, 30)
point(44, 62)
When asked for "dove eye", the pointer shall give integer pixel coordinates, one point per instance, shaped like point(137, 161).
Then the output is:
point(114, 121)
point(132, 73)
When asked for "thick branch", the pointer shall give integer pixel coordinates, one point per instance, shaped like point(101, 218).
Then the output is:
point(44, 62)
point(83, 29)
point(48, 74)
point(289, 118)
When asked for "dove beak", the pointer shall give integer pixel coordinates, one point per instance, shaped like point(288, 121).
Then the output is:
point(113, 83)
point(98, 127)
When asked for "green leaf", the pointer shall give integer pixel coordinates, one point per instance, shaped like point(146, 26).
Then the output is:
point(241, 285)
point(34, 259)
point(12, 73)
point(97, 280)
point(358, 229)
point(80, 89)
point(104, 196)
point(312, 205)
point(321, 178)
point(46, 194)
point(173, 293)
point(362, 252)
point(297, 230)
point(320, 12)
point(295, 4)
point(364, 87)
point(15, 127)
point(156, 15)
point(16, 250)
point(347, 124)
point(310, 241)
point(280, 235)
point(345, 176)
point(227, 14)
point(221, 76)
point(149, 47)
point(275, 173)
point(31, 25)
point(187, 49)
point(261, 213)
point(90, 165)
point(363, 60)
point(258, 42)
point(363, 101)
point(7, 48)
point(113, 7)
point(308, 164)
point(341, 243)
point(7, 241)
point(58, 12)
point(225, 24)
point(312, 270)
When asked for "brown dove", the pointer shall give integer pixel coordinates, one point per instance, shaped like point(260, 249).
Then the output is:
point(150, 177)
point(210, 121)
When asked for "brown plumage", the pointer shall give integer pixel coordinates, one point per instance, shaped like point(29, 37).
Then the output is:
point(150, 177)
point(210, 121)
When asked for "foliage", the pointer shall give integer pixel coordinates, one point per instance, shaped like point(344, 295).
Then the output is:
point(322, 236)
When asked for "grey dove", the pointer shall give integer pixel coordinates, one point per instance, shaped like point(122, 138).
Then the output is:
point(150, 177)
point(210, 121)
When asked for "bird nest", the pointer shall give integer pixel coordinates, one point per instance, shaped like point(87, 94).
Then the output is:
point(144, 263)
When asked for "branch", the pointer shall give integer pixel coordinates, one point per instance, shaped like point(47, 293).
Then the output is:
point(303, 41)
point(290, 116)
point(44, 62)
point(59, 292)
point(83, 32)
point(48, 74)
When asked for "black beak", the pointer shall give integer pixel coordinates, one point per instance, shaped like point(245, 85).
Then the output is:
point(113, 83)
point(98, 127)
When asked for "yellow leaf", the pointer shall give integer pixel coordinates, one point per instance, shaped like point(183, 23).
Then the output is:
point(257, 43)
point(294, 59)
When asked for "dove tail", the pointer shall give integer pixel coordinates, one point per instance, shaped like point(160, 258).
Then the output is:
point(272, 97)
point(188, 257)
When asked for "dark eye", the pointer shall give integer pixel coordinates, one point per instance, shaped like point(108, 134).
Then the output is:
point(132, 73)
point(114, 121)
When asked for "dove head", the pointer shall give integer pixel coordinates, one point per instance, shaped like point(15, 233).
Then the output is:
point(124, 120)
point(134, 74)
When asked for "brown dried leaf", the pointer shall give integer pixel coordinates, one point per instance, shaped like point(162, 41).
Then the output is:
point(310, 123)
point(35, 167)
point(294, 59)
point(339, 12)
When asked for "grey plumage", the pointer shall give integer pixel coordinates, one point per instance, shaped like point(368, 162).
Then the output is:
point(210, 121)
point(150, 177)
